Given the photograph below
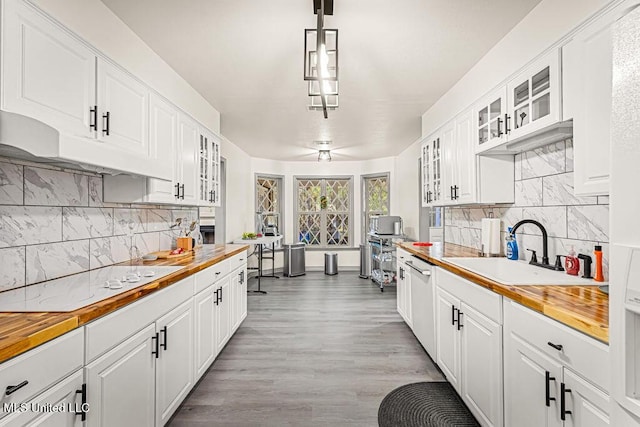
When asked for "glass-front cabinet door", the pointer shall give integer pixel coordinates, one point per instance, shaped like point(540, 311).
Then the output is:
point(425, 164)
point(204, 169)
point(436, 162)
point(490, 115)
point(534, 97)
point(215, 172)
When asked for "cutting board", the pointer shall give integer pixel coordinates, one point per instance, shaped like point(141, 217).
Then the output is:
point(167, 254)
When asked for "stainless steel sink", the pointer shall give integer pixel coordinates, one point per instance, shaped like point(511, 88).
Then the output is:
point(517, 273)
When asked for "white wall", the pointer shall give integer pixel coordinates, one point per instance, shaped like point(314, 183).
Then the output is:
point(94, 22)
point(240, 188)
point(346, 258)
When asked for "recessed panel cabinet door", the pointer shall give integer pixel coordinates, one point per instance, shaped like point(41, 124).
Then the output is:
point(527, 373)
point(588, 404)
point(481, 360)
point(122, 110)
point(174, 366)
point(163, 125)
point(121, 384)
point(188, 140)
point(47, 74)
point(204, 331)
point(447, 337)
point(223, 313)
point(465, 178)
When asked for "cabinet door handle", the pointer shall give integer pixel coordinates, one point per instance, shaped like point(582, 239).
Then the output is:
point(83, 400)
point(499, 122)
point(177, 195)
point(220, 295)
point(563, 402)
point(13, 388)
point(451, 192)
point(182, 187)
point(106, 120)
point(547, 388)
point(214, 196)
point(556, 346)
point(241, 277)
point(453, 315)
point(455, 192)
point(506, 123)
point(211, 196)
point(164, 338)
point(156, 345)
point(93, 120)
point(460, 325)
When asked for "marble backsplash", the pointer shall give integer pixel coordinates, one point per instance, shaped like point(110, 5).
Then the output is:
point(53, 223)
point(544, 192)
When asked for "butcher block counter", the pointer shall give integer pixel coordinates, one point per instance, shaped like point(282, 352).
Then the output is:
point(20, 332)
point(584, 308)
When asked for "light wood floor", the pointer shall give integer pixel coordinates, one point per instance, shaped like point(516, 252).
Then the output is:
point(315, 351)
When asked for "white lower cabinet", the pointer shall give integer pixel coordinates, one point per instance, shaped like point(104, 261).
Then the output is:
point(469, 344)
point(205, 349)
point(121, 383)
point(554, 375)
point(63, 395)
point(223, 312)
point(239, 297)
point(403, 287)
point(174, 360)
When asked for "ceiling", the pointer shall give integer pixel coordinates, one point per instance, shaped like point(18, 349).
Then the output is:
point(396, 59)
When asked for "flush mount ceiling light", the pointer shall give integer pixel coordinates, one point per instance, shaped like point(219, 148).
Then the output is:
point(324, 154)
point(321, 61)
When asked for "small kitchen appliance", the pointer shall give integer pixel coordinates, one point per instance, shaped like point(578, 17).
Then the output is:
point(385, 224)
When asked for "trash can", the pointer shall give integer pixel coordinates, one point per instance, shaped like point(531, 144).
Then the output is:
point(365, 261)
point(294, 259)
point(330, 263)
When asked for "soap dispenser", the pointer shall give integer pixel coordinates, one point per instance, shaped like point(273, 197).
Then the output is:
point(512, 245)
point(572, 263)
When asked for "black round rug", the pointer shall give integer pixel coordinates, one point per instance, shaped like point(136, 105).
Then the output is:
point(427, 404)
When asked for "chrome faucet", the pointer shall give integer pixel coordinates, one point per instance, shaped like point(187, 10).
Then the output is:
point(545, 250)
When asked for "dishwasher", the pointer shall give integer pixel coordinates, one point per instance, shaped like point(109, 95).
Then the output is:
point(422, 303)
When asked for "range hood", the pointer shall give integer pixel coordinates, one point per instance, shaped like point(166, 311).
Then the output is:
point(29, 139)
point(554, 133)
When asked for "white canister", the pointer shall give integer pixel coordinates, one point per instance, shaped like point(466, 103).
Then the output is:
point(397, 227)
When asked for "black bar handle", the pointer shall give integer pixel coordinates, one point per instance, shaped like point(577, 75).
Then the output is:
point(242, 277)
point(83, 399)
point(563, 402)
point(460, 325)
point(214, 196)
point(13, 388)
point(548, 378)
point(177, 195)
point(156, 345)
point(556, 346)
point(106, 119)
point(455, 192)
point(220, 295)
point(506, 123)
point(499, 121)
point(182, 188)
point(451, 192)
point(164, 338)
point(217, 296)
point(453, 315)
point(211, 196)
point(93, 120)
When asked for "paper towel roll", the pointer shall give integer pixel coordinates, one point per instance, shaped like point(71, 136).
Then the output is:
point(491, 236)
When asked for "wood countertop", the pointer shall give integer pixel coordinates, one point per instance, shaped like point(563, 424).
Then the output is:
point(584, 308)
point(20, 332)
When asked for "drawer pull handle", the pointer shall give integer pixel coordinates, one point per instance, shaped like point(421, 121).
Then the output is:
point(563, 402)
point(548, 379)
point(13, 388)
point(83, 394)
point(556, 346)
point(218, 272)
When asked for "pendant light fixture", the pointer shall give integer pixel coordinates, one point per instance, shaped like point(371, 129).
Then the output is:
point(321, 61)
point(324, 153)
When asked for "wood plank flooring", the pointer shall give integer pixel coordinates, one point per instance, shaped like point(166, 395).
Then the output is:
point(316, 350)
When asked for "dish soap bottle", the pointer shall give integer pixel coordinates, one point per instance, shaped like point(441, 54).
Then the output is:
point(599, 277)
point(571, 263)
point(512, 245)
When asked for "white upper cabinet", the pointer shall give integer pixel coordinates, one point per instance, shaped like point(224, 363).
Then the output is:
point(534, 97)
point(123, 108)
point(208, 169)
point(587, 87)
point(187, 160)
point(47, 74)
point(489, 120)
point(163, 125)
point(431, 155)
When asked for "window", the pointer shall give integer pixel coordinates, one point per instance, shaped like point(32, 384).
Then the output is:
point(375, 195)
point(324, 210)
point(269, 202)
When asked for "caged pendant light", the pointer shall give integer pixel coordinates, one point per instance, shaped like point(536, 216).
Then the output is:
point(321, 61)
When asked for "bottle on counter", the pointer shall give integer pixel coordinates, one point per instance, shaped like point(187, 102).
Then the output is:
point(572, 263)
point(599, 276)
point(512, 245)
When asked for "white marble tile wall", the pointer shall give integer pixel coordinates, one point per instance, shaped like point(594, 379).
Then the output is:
point(544, 192)
point(53, 223)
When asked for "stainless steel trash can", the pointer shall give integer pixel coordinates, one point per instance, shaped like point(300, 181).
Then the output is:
point(294, 259)
point(365, 261)
point(330, 263)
